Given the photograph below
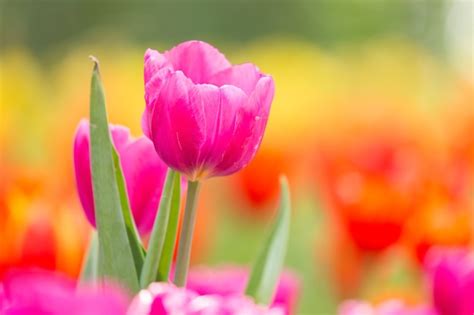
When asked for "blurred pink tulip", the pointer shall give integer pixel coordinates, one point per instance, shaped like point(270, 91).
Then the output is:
point(3, 299)
point(166, 299)
point(452, 280)
point(205, 116)
point(226, 281)
point(143, 170)
point(47, 293)
point(393, 307)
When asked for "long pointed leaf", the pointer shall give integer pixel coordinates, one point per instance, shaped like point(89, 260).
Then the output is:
point(138, 251)
point(115, 255)
point(171, 232)
point(266, 271)
point(157, 238)
point(90, 266)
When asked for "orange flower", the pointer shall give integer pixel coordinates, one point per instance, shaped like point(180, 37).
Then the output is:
point(258, 182)
point(372, 182)
point(446, 215)
point(439, 224)
point(29, 237)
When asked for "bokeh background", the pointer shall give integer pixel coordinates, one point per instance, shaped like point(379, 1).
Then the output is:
point(373, 123)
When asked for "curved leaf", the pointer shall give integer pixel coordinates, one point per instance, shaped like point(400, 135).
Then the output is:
point(115, 255)
point(90, 264)
point(171, 232)
point(266, 271)
point(157, 238)
point(136, 246)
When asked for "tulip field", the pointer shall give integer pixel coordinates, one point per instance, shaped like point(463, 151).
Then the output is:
point(297, 158)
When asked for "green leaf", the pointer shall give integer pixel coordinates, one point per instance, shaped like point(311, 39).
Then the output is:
point(90, 265)
point(266, 271)
point(136, 246)
point(157, 238)
point(115, 256)
point(171, 232)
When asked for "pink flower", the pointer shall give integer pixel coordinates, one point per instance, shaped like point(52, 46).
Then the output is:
point(143, 170)
point(393, 307)
point(3, 299)
point(227, 281)
point(452, 279)
point(205, 116)
point(166, 299)
point(45, 293)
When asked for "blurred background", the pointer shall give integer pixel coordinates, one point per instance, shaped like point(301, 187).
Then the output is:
point(373, 123)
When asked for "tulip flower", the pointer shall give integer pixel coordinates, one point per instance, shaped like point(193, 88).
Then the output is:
point(143, 170)
point(452, 281)
point(40, 292)
point(166, 299)
point(440, 222)
point(393, 307)
point(258, 182)
point(205, 116)
point(3, 299)
point(444, 217)
point(227, 281)
point(26, 213)
point(372, 183)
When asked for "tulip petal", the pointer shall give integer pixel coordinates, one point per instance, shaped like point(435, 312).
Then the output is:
point(120, 137)
point(177, 124)
point(39, 292)
point(206, 100)
point(144, 172)
point(36, 287)
point(223, 119)
point(199, 61)
point(259, 106)
point(175, 94)
point(452, 277)
point(156, 71)
point(244, 76)
point(82, 164)
point(154, 62)
point(446, 291)
point(82, 168)
point(250, 124)
point(231, 280)
point(468, 289)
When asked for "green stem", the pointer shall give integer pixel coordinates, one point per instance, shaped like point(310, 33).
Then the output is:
point(186, 238)
point(157, 238)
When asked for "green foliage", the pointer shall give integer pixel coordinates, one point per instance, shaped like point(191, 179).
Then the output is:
point(158, 234)
point(267, 269)
point(171, 232)
point(90, 265)
point(116, 260)
point(136, 246)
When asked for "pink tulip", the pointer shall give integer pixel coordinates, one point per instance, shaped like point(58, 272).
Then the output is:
point(166, 299)
point(452, 279)
point(205, 116)
point(143, 170)
point(230, 280)
point(46, 293)
point(3, 299)
point(393, 307)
